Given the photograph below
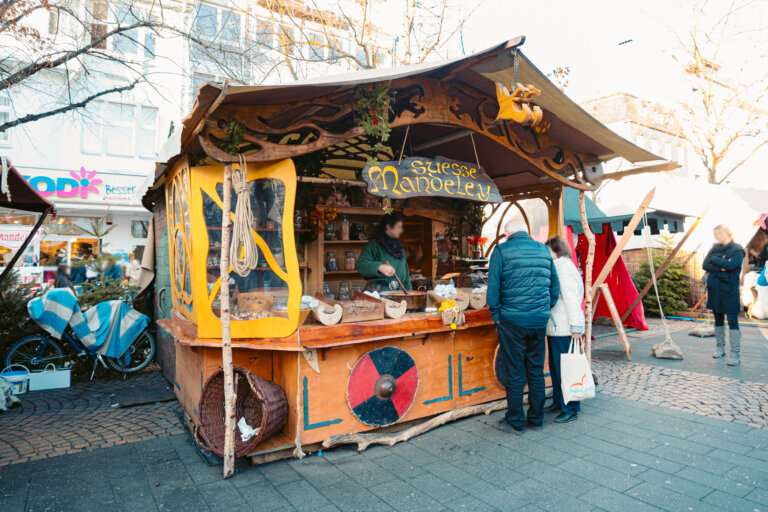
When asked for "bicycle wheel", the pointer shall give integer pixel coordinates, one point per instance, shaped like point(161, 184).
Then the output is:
point(35, 353)
point(142, 351)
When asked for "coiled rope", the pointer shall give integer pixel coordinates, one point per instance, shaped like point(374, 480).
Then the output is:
point(243, 252)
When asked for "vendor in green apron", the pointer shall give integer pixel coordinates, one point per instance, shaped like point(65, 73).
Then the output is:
point(383, 257)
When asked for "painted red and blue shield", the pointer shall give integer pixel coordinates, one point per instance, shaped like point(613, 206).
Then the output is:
point(382, 386)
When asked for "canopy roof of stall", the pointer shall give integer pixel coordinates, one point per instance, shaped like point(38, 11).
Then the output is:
point(657, 219)
point(21, 196)
point(459, 98)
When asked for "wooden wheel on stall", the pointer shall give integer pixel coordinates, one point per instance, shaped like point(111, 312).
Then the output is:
point(382, 386)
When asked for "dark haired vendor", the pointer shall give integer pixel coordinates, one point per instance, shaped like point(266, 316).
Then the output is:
point(383, 257)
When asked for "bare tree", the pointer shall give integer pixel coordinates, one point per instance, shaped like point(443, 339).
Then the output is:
point(95, 48)
point(725, 120)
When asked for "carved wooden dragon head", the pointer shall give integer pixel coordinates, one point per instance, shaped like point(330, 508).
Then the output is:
point(517, 105)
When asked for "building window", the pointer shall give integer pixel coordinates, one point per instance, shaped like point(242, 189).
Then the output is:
point(135, 41)
point(315, 46)
point(53, 22)
point(90, 129)
point(118, 129)
point(217, 24)
point(263, 40)
point(139, 228)
point(5, 116)
point(100, 13)
point(334, 51)
point(146, 137)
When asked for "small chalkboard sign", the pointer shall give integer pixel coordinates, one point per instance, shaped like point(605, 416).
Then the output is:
point(425, 177)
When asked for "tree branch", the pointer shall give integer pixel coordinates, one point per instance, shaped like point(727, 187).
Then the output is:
point(72, 106)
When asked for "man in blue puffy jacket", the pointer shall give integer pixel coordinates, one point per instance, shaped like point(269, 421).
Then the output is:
point(522, 289)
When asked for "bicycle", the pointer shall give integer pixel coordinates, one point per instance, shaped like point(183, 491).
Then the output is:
point(38, 350)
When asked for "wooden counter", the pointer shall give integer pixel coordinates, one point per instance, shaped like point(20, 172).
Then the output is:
point(327, 336)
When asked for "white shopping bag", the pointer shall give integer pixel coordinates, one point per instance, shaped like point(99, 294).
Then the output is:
point(576, 375)
point(50, 377)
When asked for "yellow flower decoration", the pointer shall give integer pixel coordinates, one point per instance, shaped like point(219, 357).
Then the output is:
point(448, 304)
point(453, 326)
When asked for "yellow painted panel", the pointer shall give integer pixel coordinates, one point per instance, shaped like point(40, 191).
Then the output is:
point(205, 179)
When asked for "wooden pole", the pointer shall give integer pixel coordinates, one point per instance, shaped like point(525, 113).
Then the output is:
point(662, 267)
point(628, 232)
point(226, 333)
point(587, 275)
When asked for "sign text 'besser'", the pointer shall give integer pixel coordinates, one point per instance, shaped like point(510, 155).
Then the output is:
point(417, 176)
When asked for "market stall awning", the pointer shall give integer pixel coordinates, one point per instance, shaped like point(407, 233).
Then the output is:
point(19, 195)
point(462, 95)
point(658, 220)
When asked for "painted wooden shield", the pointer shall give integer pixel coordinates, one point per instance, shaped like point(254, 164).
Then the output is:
point(382, 386)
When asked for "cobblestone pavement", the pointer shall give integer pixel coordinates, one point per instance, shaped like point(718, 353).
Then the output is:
point(708, 395)
point(57, 422)
point(621, 455)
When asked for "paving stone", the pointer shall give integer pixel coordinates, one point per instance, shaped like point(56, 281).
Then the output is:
point(182, 499)
point(609, 499)
point(667, 499)
point(303, 496)
point(168, 474)
point(651, 461)
point(758, 496)
point(263, 496)
point(730, 502)
point(471, 504)
point(439, 489)
point(279, 473)
point(749, 476)
point(675, 483)
point(600, 475)
point(318, 471)
point(353, 498)
point(686, 458)
point(364, 471)
point(617, 464)
point(222, 495)
point(403, 497)
point(715, 481)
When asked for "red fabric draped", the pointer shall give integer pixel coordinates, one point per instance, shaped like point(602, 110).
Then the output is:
point(619, 281)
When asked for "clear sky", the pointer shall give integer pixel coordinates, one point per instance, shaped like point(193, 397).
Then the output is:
point(623, 46)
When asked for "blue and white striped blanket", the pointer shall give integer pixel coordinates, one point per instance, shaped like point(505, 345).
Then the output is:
point(108, 328)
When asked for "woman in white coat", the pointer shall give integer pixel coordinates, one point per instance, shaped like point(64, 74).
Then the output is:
point(566, 323)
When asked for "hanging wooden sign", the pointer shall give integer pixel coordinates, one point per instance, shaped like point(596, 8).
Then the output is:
point(424, 177)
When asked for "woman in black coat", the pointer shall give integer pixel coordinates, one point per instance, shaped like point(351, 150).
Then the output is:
point(723, 267)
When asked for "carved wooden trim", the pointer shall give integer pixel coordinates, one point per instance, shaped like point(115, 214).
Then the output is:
point(288, 130)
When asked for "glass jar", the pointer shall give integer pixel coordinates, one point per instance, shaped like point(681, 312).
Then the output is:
point(330, 231)
point(360, 232)
point(330, 262)
point(349, 260)
point(298, 219)
point(344, 290)
point(327, 291)
point(344, 227)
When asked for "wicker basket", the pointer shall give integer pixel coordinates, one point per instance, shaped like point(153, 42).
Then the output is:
point(261, 402)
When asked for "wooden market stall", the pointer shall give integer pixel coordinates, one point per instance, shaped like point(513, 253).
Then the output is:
point(315, 164)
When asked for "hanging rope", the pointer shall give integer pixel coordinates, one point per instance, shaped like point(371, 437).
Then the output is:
point(668, 346)
point(402, 150)
point(243, 252)
point(477, 158)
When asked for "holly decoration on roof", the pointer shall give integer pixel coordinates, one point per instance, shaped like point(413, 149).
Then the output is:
point(373, 104)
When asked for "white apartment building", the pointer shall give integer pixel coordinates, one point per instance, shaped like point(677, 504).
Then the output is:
point(95, 162)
